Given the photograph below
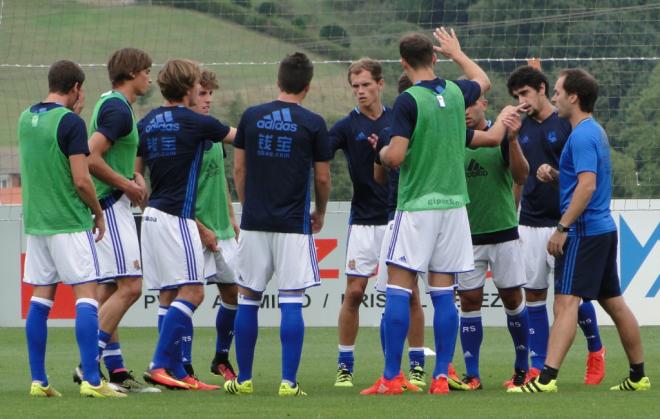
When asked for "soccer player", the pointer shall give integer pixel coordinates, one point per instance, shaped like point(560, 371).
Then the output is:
point(58, 194)
point(431, 229)
point(542, 138)
point(172, 140)
point(368, 215)
point(490, 173)
point(277, 147)
point(113, 146)
point(217, 230)
point(584, 242)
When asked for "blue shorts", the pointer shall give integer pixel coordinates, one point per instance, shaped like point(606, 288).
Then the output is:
point(588, 267)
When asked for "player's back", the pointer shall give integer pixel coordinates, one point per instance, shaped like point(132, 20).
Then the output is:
point(50, 202)
point(282, 141)
point(172, 145)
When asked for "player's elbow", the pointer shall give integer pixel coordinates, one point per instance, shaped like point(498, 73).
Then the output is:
point(322, 180)
point(82, 183)
point(484, 83)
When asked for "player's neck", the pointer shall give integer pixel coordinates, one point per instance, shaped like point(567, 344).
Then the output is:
point(577, 117)
point(482, 126)
point(57, 98)
point(544, 113)
point(173, 103)
point(373, 111)
point(127, 91)
point(291, 97)
point(422, 74)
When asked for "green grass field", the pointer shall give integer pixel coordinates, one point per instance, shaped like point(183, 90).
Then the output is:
point(317, 376)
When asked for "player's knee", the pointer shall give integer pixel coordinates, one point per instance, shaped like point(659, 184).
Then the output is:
point(534, 296)
point(353, 296)
point(132, 289)
point(471, 300)
point(192, 293)
point(229, 294)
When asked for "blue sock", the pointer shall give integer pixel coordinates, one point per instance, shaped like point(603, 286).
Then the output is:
point(416, 357)
point(224, 327)
point(292, 334)
point(36, 332)
point(112, 357)
point(589, 325)
point(539, 332)
point(168, 348)
point(87, 335)
point(397, 321)
point(382, 332)
point(472, 335)
point(518, 323)
point(178, 360)
point(187, 342)
point(445, 327)
point(346, 358)
point(246, 329)
point(104, 338)
point(162, 311)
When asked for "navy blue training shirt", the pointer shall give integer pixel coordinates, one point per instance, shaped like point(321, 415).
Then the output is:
point(172, 144)
point(350, 134)
point(114, 119)
point(405, 107)
point(71, 133)
point(541, 142)
point(282, 141)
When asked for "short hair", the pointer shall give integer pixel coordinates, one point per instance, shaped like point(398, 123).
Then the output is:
point(404, 83)
point(417, 50)
point(124, 63)
point(209, 80)
point(527, 75)
point(177, 77)
point(295, 73)
point(63, 76)
point(366, 64)
point(579, 82)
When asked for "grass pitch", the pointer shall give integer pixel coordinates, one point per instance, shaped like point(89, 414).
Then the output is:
point(317, 377)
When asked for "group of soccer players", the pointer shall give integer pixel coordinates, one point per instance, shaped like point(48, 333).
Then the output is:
point(436, 190)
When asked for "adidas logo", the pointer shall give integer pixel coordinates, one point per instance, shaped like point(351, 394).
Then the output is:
point(361, 137)
point(278, 120)
point(552, 137)
point(474, 169)
point(382, 388)
point(532, 353)
point(403, 259)
point(521, 348)
point(467, 354)
point(163, 122)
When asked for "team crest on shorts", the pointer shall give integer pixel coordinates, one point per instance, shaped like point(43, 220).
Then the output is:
point(136, 264)
point(351, 264)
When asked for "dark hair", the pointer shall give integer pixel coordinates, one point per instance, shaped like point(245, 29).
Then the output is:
point(177, 77)
point(125, 63)
point(295, 73)
point(578, 82)
point(366, 64)
point(417, 50)
point(63, 76)
point(527, 76)
point(404, 83)
point(208, 80)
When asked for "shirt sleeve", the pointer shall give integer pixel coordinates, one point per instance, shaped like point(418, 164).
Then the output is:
point(321, 147)
point(337, 137)
point(72, 135)
point(469, 135)
point(504, 148)
point(213, 129)
point(471, 91)
point(239, 139)
point(404, 116)
point(114, 120)
point(585, 154)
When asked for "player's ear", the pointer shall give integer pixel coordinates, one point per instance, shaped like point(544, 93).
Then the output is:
point(434, 59)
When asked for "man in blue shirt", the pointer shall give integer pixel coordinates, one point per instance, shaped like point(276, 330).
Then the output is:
point(278, 146)
point(542, 138)
point(585, 240)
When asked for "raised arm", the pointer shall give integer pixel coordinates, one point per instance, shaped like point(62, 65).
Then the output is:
point(451, 48)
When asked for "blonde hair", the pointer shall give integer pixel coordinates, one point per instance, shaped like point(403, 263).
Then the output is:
point(366, 64)
point(177, 77)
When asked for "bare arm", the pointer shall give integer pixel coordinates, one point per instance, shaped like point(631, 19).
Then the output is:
point(392, 155)
point(229, 139)
point(239, 173)
point(322, 185)
point(380, 174)
point(517, 161)
point(451, 48)
point(86, 191)
point(517, 194)
point(207, 236)
point(230, 209)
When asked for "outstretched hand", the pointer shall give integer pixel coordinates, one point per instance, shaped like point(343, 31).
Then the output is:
point(449, 45)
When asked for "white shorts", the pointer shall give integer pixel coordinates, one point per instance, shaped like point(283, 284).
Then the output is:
point(539, 264)
point(69, 258)
point(172, 252)
point(362, 249)
point(220, 266)
point(290, 257)
point(437, 241)
point(505, 263)
point(119, 250)
point(381, 277)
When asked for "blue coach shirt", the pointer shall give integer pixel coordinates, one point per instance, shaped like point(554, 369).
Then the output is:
point(282, 141)
point(172, 144)
point(350, 134)
point(541, 142)
point(588, 150)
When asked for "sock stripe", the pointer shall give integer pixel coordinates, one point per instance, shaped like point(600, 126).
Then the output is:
point(229, 306)
point(535, 303)
point(89, 301)
point(43, 301)
point(471, 314)
point(516, 310)
point(396, 287)
point(162, 310)
point(111, 352)
point(246, 301)
point(290, 299)
point(346, 348)
point(182, 307)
